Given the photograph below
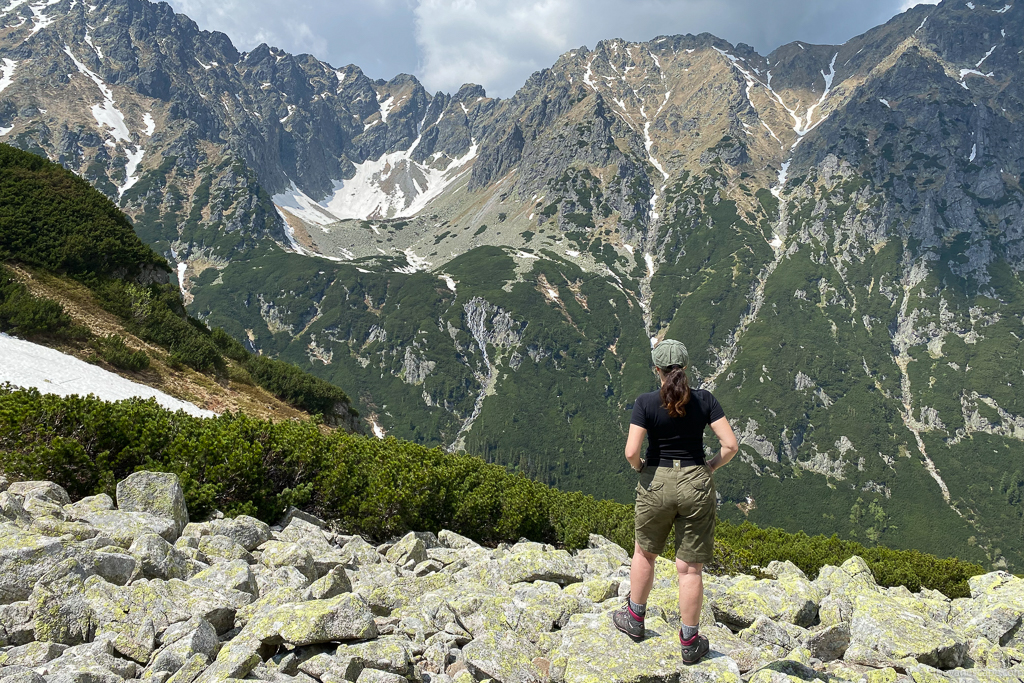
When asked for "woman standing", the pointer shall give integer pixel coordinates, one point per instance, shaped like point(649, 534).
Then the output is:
point(675, 490)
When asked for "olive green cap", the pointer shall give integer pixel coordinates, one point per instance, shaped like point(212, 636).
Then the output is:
point(668, 353)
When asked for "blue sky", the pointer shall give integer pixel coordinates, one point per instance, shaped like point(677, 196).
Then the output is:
point(499, 43)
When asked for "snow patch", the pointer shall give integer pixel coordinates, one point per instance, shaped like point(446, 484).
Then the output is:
point(649, 260)
point(974, 152)
point(41, 20)
point(588, 74)
point(88, 40)
point(925, 21)
point(385, 108)
point(1004, 10)
point(776, 242)
point(393, 186)
point(7, 73)
point(629, 248)
point(416, 263)
point(987, 55)
point(523, 254)
point(5, 131)
point(970, 5)
point(783, 172)
point(30, 365)
point(885, 102)
point(130, 169)
point(147, 119)
point(182, 267)
point(552, 294)
point(449, 281)
point(297, 203)
point(574, 254)
point(106, 114)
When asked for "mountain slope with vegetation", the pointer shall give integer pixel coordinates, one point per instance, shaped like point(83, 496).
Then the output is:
point(834, 231)
point(79, 278)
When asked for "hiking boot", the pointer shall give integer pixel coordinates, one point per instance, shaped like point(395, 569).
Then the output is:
point(696, 649)
point(627, 622)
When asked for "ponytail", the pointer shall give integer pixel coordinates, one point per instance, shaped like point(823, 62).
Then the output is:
point(675, 391)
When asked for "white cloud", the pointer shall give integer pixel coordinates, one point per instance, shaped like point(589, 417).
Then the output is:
point(907, 4)
point(499, 43)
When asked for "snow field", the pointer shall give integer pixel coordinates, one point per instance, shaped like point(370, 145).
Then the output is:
point(28, 365)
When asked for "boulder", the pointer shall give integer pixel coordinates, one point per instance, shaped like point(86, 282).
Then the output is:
point(116, 568)
point(359, 553)
point(98, 503)
point(158, 559)
point(334, 583)
point(11, 510)
point(190, 670)
point(62, 614)
point(124, 527)
point(24, 558)
point(408, 552)
point(829, 643)
point(528, 562)
point(345, 617)
point(219, 549)
point(232, 576)
point(385, 599)
point(592, 649)
point(45, 490)
point(392, 654)
point(769, 636)
point(155, 493)
point(17, 626)
point(899, 629)
point(739, 601)
point(248, 532)
point(279, 554)
point(184, 641)
point(32, 654)
point(450, 539)
point(235, 660)
point(374, 676)
point(504, 658)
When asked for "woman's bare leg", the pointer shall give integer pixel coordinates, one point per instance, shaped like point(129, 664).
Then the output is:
point(641, 575)
point(691, 591)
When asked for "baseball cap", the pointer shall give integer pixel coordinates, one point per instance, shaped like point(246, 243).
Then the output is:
point(669, 352)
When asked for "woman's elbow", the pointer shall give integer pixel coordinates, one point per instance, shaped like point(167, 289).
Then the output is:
point(731, 447)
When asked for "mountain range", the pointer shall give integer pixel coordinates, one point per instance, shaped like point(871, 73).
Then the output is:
point(835, 232)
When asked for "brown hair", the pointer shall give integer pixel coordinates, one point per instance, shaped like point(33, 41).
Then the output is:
point(675, 391)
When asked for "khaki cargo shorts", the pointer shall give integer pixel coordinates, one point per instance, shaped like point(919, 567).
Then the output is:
point(683, 497)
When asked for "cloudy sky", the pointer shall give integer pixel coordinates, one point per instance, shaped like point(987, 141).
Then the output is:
point(499, 43)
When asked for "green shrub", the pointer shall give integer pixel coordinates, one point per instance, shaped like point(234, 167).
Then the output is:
point(373, 487)
point(25, 315)
point(51, 218)
point(298, 388)
point(114, 350)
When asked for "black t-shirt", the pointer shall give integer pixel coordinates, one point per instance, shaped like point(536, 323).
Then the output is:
point(676, 438)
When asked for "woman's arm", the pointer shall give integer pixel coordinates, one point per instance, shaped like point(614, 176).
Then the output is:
point(723, 430)
point(634, 443)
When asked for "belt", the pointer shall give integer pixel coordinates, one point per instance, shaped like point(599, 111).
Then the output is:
point(675, 464)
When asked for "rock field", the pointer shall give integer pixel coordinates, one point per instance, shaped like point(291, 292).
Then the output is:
point(90, 593)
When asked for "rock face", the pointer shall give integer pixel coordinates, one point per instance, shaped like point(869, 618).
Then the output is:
point(426, 609)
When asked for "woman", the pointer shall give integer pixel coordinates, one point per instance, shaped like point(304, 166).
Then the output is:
point(675, 489)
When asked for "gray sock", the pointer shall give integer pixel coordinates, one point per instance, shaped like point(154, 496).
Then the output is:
point(687, 632)
point(639, 610)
